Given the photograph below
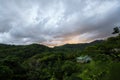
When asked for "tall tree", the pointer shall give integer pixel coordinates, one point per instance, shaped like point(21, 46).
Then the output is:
point(116, 30)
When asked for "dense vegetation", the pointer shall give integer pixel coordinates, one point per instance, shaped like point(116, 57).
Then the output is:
point(38, 62)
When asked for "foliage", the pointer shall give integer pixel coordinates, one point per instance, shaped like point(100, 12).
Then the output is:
point(38, 62)
point(116, 30)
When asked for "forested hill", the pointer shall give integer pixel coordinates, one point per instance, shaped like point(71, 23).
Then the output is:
point(80, 46)
point(23, 51)
point(33, 49)
point(39, 62)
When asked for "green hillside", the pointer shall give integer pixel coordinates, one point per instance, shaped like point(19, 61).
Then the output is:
point(38, 62)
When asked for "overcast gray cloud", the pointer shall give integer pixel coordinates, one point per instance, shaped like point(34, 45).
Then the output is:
point(55, 22)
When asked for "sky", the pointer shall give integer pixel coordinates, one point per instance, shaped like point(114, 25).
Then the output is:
point(57, 22)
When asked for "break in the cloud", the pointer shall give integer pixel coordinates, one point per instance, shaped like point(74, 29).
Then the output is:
point(56, 22)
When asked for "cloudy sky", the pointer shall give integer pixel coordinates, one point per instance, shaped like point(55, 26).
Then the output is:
point(57, 22)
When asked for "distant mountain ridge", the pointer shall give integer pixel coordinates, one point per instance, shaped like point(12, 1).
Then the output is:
point(78, 46)
point(38, 47)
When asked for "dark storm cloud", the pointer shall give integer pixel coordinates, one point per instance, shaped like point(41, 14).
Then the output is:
point(55, 22)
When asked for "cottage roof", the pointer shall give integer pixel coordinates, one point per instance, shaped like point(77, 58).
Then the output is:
point(84, 57)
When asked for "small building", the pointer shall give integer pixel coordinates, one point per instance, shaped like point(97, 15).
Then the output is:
point(83, 59)
point(116, 50)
